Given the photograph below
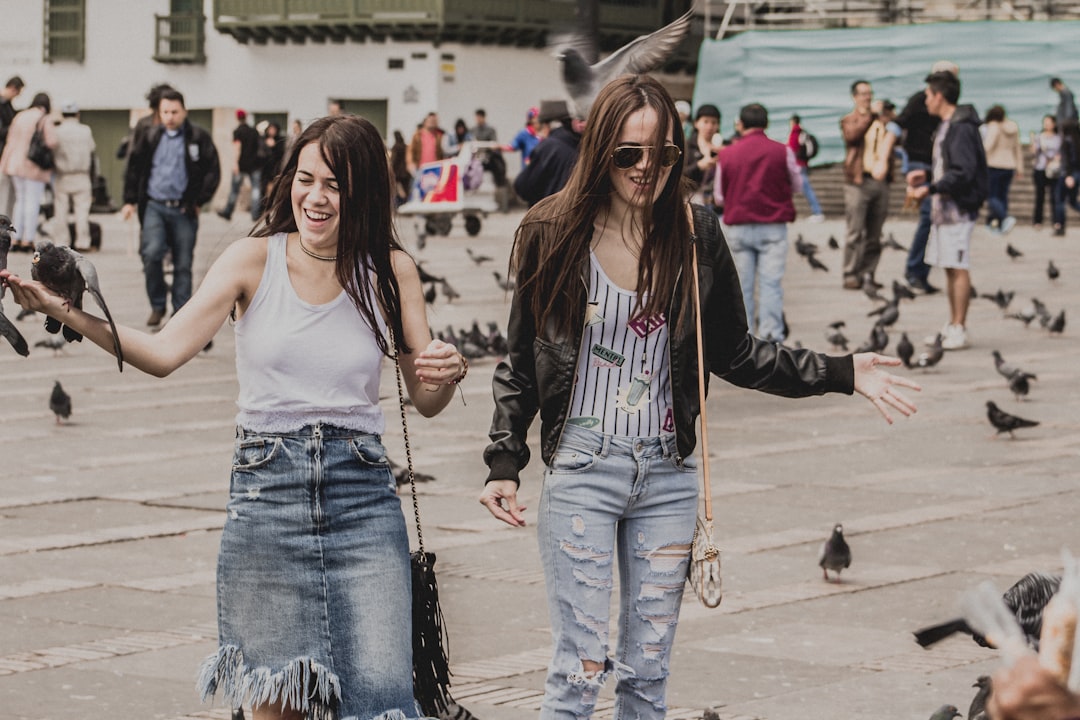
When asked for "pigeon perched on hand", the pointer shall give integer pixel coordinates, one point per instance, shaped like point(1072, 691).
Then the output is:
point(1004, 422)
point(835, 554)
point(60, 403)
point(1025, 600)
point(68, 274)
point(641, 55)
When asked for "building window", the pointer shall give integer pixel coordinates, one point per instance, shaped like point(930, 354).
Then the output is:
point(65, 30)
point(395, 64)
point(180, 36)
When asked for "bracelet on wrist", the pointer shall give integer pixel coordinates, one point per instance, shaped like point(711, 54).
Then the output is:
point(464, 371)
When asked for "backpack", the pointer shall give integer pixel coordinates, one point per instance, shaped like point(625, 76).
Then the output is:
point(808, 146)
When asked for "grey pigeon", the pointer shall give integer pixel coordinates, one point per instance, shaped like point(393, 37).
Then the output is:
point(429, 294)
point(905, 350)
point(1003, 422)
point(804, 248)
point(816, 264)
point(1025, 600)
point(1057, 325)
point(888, 313)
point(1012, 252)
point(449, 292)
point(1001, 298)
point(1026, 314)
point(56, 344)
point(507, 284)
point(877, 342)
point(1052, 271)
point(900, 291)
point(426, 277)
point(932, 356)
point(68, 274)
point(12, 334)
point(977, 709)
point(835, 335)
point(835, 553)
point(60, 403)
point(833, 243)
point(641, 55)
point(478, 259)
point(1019, 383)
point(945, 712)
point(1004, 369)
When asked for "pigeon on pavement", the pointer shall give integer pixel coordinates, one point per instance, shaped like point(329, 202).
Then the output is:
point(1004, 422)
point(1019, 383)
point(905, 350)
point(60, 403)
point(68, 274)
point(1004, 369)
point(931, 357)
point(835, 553)
point(946, 712)
point(1057, 325)
point(1012, 252)
point(977, 709)
point(641, 55)
point(835, 335)
point(1052, 271)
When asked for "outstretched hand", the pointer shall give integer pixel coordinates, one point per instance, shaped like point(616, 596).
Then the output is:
point(32, 295)
point(500, 498)
point(881, 387)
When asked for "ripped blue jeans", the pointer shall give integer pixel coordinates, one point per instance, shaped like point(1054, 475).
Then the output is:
point(608, 498)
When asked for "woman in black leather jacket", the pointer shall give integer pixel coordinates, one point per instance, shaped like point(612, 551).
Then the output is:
point(602, 345)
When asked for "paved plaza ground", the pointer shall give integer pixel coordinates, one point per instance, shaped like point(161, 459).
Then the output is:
point(109, 524)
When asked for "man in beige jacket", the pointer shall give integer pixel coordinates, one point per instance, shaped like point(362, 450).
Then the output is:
point(73, 184)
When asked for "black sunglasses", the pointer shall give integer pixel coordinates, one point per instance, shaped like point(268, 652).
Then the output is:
point(627, 156)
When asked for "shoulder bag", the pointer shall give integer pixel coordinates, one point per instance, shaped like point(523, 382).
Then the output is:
point(39, 153)
point(430, 644)
point(704, 573)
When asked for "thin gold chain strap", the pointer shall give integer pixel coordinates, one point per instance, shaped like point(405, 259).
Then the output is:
point(408, 448)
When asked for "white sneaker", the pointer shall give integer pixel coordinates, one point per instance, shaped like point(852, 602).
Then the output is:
point(818, 218)
point(955, 338)
point(1007, 224)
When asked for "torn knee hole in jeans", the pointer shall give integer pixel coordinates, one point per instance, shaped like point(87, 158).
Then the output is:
point(666, 560)
point(593, 674)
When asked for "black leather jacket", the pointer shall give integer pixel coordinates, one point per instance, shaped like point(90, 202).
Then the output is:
point(538, 372)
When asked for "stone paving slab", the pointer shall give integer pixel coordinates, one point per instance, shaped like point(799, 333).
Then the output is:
point(109, 525)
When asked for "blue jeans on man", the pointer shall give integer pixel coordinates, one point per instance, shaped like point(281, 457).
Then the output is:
point(760, 254)
point(255, 178)
point(167, 229)
point(808, 191)
point(916, 271)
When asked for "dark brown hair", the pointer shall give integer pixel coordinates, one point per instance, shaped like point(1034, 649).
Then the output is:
point(563, 225)
point(354, 150)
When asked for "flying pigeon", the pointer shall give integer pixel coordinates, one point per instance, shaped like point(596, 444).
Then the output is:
point(69, 274)
point(642, 54)
point(835, 553)
point(1025, 600)
point(1057, 325)
point(1004, 422)
point(1019, 384)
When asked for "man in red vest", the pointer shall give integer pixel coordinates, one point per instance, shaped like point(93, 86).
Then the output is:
point(755, 179)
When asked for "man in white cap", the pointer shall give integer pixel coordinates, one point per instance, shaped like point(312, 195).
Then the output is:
point(74, 155)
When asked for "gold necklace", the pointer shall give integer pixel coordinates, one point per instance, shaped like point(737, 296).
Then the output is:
point(315, 255)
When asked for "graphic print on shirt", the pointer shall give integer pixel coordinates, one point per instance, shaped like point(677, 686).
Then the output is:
point(622, 382)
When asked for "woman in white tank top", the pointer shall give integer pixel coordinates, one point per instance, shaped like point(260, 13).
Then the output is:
point(314, 606)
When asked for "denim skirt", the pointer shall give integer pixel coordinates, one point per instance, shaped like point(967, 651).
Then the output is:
point(313, 581)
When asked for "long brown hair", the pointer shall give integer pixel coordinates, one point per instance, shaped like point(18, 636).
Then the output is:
point(356, 154)
point(563, 224)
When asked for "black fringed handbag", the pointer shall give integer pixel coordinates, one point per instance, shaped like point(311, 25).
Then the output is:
point(431, 664)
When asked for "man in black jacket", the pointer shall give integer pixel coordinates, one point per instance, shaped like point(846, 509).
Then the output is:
point(171, 171)
point(553, 158)
point(957, 189)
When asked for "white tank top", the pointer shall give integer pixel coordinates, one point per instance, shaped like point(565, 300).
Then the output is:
point(299, 364)
point(622, 386)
